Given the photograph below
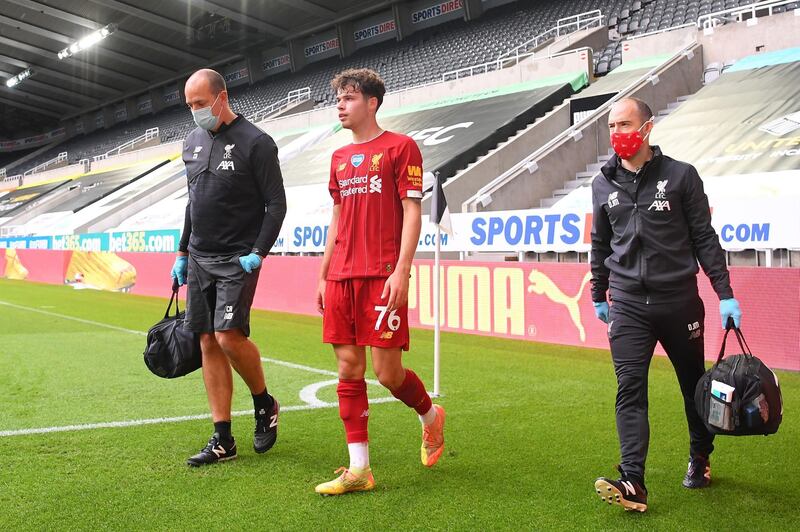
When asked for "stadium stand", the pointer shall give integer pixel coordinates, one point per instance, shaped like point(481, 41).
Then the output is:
point(49, 209)
point(413, 61)
point(502, 124)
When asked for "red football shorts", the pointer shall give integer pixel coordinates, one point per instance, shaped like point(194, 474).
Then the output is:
point(355, 314)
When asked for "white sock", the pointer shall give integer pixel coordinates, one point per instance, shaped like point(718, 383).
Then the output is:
point(428, 417)
point(359, 455)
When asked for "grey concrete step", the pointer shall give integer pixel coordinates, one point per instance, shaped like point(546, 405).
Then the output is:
point(575, 183)
point(548, 202)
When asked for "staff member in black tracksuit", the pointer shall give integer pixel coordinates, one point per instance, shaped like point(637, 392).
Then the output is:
point(652, 224)
point(236, 207)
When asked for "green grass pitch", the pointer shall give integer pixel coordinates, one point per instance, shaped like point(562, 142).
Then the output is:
point(529, 428)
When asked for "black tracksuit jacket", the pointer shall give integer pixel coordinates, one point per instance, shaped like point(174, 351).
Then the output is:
point(646, 245)
point(237, 202)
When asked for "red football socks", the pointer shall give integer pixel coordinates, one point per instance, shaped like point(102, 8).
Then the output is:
point(354, 409)
point(412, 393)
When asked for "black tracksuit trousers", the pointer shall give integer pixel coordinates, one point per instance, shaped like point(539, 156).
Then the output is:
point(634, 328)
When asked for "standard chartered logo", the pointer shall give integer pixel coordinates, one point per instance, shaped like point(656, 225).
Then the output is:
point(375, 184)
point(360, 185)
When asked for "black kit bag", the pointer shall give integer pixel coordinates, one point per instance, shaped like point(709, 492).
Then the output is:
point(739, 395)
point(172, 350)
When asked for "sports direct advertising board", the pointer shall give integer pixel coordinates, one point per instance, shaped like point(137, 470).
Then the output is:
point(527, 301)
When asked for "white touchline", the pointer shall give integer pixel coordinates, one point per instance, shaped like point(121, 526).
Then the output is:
point(310, 369)
point(158, 420)
point(307, 394)
point(72, 318)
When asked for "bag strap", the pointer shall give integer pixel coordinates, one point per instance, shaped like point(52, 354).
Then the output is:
point(739, 337)
point(175, 288)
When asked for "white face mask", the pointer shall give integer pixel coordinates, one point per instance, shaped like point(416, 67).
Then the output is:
point(205, 118)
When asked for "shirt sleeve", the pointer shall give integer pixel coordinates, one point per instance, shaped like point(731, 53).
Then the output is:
point(408, 170)
point(266, 170)
point(333, 184)
point(601, 249)
point(187, 229)
point(704, 238)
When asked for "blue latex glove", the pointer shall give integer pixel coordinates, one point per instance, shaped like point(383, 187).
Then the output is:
point(179, 270)
point(729, 308)
point(601, 311)
point(250, 262)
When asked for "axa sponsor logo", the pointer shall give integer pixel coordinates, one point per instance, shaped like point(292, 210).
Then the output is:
point(660, 203)
point(659, 206)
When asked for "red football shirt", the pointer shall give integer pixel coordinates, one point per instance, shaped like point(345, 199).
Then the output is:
point(369, 180)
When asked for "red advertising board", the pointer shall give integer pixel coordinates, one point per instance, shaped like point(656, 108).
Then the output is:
point(544, 302)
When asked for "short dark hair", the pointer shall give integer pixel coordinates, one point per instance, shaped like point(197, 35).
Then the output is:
point(364, 80)
point(645, 113)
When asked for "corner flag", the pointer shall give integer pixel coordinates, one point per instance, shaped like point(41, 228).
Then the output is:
point(440, 215)
point(440, 212)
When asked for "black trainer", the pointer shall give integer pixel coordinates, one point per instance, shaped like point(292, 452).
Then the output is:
point(698, 474)
point(216, 451)
point(625, 492)
point(266, 428)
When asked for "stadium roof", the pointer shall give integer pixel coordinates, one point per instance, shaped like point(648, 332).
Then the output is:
point(155, 41)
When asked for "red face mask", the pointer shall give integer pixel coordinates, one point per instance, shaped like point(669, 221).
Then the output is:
point(626, 145)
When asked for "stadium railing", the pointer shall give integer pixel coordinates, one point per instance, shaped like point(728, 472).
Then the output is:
point(563, 29)
point(60, 158)
point(739, 14)
point(530, 164)
point(664, 30)
point(294, 96)
point(149, 134)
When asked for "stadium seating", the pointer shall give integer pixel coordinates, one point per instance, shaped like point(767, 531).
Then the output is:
point(413, 61)
point(629, 19)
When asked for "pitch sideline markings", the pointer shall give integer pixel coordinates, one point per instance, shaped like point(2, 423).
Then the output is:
point(72, 318)
point(307, 394)
point(159, 420)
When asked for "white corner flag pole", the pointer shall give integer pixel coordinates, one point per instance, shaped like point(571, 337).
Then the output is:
point(436, 358)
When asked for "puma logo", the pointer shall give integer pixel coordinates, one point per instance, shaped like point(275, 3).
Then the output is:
point(542, 285)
